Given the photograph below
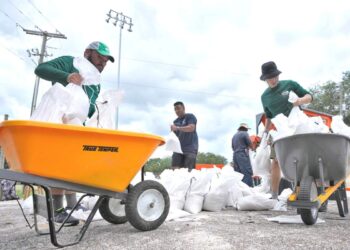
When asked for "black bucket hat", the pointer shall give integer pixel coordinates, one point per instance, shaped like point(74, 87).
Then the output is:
point(269, 70)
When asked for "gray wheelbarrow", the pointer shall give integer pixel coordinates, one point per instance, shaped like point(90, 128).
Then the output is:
point(318, 165)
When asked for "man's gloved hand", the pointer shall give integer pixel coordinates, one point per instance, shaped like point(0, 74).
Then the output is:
point(75, 78)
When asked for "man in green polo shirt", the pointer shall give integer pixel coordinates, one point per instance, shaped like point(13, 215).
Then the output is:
point(61, 70)
point(275, 101)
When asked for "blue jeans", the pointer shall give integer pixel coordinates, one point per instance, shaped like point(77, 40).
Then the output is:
point(242, 165)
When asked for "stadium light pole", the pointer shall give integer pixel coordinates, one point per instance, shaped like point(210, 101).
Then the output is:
point(122, 20)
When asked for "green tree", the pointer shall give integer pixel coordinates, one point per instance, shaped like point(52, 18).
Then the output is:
point(210, 158)
point(326, 97)
point(157, 165)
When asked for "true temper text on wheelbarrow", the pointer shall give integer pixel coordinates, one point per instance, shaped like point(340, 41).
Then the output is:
point(100, 148)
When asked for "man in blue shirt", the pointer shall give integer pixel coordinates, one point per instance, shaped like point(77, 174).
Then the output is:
point(185, 129)
point(240, 145)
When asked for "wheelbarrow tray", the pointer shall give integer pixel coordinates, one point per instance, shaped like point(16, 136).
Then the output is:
point(101, 158)
point(304, 152)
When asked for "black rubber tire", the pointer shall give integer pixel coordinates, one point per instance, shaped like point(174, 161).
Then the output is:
point(132, 210)
point(308, 192)
point(107, 213)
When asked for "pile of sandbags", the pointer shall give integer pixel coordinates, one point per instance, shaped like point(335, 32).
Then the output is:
point(296, 123)
point(212, 190)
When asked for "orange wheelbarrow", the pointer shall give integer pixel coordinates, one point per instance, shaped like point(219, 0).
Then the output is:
point(87, 160)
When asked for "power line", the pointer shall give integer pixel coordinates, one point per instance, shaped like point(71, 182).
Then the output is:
point(126, 84)
point(10, 18)
point(12, 52)
point(38, 10)
point(182, 66)
point(20, 11)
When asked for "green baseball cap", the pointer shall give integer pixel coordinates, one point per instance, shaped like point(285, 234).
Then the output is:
point(102, 49)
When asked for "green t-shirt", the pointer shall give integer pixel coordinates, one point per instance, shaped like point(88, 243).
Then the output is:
point(275, 100)
point(57, 70)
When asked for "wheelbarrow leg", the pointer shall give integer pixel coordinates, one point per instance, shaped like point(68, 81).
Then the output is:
point(342, 201)
point(89, 219)
point(50, 214)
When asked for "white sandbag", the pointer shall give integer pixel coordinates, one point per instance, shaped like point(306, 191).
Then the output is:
point(292, 97)
point(256, 202)
point(173, 143)
point(319, 125)
point(234, 194)
point(262, 162)
point(90, 74)
point(89, 202)
point(281, 123)
point(175, 213)
point(177, 183)
point(78, 107)
point(245, 189)
point(264, 186)
point(53, 104)
point(228, 172)
point(339, 127)
point(199, 186)
point(105, 114)
point(216, 199)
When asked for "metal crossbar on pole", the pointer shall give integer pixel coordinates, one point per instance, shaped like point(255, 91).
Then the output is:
point(46, 35)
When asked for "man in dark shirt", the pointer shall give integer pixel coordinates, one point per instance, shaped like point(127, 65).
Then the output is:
point(241, 161)
point(185, 129)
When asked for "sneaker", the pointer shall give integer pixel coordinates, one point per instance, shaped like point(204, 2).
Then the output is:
point(61, 214)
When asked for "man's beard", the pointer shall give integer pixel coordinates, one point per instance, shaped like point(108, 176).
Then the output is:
point(89, 58)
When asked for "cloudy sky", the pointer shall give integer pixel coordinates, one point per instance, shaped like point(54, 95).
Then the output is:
point(205, 53)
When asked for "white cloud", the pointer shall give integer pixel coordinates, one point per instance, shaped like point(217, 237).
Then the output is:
point(220, 45)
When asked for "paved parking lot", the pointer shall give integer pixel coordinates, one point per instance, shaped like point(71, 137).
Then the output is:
point(228, 229)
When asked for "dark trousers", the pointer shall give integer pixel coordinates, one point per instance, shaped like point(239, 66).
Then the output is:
point(242, 165)
point(185, 160)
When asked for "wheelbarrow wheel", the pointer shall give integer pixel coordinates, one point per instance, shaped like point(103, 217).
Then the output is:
point(308, 192)
point(147, 205)
point(113, 211)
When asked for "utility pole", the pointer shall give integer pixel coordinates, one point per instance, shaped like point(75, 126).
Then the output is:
point(46, 36)
point(122, 19)
point(341, 98)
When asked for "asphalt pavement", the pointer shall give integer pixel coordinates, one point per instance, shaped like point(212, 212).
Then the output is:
point(229, 229)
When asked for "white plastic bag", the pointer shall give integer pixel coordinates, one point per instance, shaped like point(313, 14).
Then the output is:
point(339, 127)
point(234, 194)
point(262, 162)
point(173, 144)
point(265, 185)
point(200, 183)
point(78, 107)
point(216, 199)
point(292, 97)
point(105, 114)
point(90, 74)
point(177, 183)
point(52, 105)
point(256, 202)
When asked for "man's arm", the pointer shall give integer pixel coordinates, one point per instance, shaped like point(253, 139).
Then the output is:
point(191, 127)
point(304, 96)
point(306, 99)
point(59, 70)
point(267, 125)
point(248, 142)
